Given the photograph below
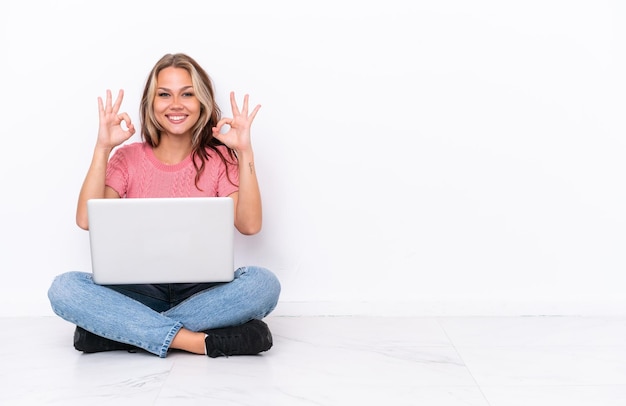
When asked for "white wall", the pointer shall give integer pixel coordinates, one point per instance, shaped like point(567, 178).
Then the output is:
point(424, 157)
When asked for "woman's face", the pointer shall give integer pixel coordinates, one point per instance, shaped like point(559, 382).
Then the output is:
point(175, 104)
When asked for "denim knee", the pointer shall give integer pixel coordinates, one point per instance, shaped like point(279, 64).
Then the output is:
point(267, 288)
point(62, 291)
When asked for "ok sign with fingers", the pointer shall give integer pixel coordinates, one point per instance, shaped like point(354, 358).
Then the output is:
point(238, 136)
point(110, 131)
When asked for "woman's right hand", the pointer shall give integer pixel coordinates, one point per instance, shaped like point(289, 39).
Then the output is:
point(111, 133)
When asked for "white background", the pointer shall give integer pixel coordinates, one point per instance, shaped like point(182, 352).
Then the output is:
point(415, 157)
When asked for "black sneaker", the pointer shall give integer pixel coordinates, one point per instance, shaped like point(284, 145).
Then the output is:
point(250, 338)
point(89, 343)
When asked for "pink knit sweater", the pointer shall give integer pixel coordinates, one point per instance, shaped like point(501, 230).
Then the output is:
point(134, 171)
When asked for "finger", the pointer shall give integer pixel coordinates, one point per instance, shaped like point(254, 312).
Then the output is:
point(253, 114)
point(125, 118)
point(233, 104)
point(118, 101)
point(217, 130)
point(223, 121)
point(100, 106)
point(245, 105)
point(107, 106)
point(218, 135)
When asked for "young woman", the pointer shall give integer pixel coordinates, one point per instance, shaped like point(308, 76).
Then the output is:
point(183, 153)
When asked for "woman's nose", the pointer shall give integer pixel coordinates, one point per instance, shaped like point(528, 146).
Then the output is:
point(176, 103)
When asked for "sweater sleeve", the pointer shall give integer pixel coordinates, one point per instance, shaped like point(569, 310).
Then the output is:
point(117, 172)
point(228, 177)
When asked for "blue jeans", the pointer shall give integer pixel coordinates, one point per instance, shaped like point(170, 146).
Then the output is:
point(149, 316)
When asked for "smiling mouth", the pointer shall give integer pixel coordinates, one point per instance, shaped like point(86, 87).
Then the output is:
point(176, 119)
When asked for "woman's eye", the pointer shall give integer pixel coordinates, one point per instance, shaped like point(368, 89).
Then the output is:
point(188, 94)
point(162, 94)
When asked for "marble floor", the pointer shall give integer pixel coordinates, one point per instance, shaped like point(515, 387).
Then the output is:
point(496, 361)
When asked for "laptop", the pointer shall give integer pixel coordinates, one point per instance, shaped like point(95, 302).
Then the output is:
point(161, 240)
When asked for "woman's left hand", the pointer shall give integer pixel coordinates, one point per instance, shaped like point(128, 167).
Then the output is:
point(238, 136)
